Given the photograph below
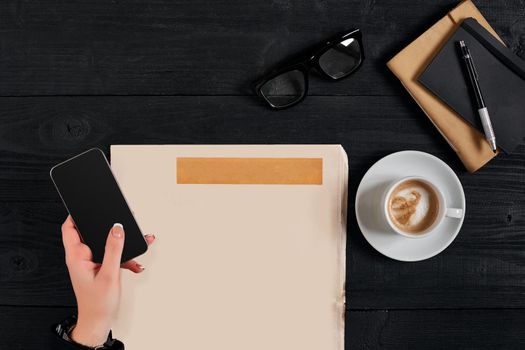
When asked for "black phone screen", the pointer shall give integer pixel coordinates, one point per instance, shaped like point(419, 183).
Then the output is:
point(94, 200)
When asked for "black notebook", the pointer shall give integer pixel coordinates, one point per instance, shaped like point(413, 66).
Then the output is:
point(501, 78)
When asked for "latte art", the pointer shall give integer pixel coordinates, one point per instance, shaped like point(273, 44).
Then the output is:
point(413, 206)
point(405, 207)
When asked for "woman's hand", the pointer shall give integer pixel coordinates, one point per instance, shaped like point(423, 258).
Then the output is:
point(96, 286)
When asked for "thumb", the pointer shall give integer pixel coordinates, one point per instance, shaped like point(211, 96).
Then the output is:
point(113, 253)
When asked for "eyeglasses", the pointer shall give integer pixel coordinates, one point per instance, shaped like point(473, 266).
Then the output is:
point(334, 59)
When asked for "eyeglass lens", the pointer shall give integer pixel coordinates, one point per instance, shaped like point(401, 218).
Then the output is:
point(341, 59)
point(285, 88)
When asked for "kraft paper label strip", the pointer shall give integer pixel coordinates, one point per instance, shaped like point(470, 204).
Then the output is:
point(250, 171)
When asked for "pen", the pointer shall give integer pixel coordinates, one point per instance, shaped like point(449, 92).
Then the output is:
point(482, 108)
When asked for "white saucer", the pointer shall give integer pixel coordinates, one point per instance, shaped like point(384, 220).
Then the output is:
point(371, 220)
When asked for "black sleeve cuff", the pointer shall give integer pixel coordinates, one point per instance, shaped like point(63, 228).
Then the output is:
point(61, 339)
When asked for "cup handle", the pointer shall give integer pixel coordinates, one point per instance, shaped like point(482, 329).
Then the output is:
point(454, 213)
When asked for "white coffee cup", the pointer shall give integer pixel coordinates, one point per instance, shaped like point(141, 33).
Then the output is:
point(444, 210)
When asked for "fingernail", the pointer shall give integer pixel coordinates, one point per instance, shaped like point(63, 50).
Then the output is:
point(150, 236)
point(141, 267)
point(117, 231)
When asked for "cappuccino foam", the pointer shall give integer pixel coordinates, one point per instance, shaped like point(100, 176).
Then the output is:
point(413, 206)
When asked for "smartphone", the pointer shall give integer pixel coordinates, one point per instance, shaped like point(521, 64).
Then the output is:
point(94, 200)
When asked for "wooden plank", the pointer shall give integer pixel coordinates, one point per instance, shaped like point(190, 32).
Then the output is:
point(32, 263)
point(30, 327)
point(435, 329)
point(481, 269)
point(192, 48)
point(381, 329)
point(39, 132)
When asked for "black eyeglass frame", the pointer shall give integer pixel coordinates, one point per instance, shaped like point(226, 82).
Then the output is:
point(310, 61)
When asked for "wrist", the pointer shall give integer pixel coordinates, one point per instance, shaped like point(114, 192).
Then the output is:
point(90, 334)
point(65, 329)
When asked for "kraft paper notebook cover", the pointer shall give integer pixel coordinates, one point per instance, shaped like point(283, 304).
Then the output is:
point(407, 65)
point(250, 250)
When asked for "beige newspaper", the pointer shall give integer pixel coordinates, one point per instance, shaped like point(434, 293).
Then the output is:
point(250, 249)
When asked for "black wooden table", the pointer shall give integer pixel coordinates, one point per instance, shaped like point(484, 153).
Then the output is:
point(81, 74)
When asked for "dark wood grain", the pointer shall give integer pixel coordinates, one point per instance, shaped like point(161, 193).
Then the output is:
point(483, 268)
point(29, 328)
point(192, 48)
point(379, 329)
point(32, 263)
point(40, 132)
point(435, 329)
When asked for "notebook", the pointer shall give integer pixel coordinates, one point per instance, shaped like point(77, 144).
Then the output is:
point(468, 143)
point(501, 78)
point(250, 249)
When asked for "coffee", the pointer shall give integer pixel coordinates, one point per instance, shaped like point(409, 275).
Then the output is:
point(413, 206)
